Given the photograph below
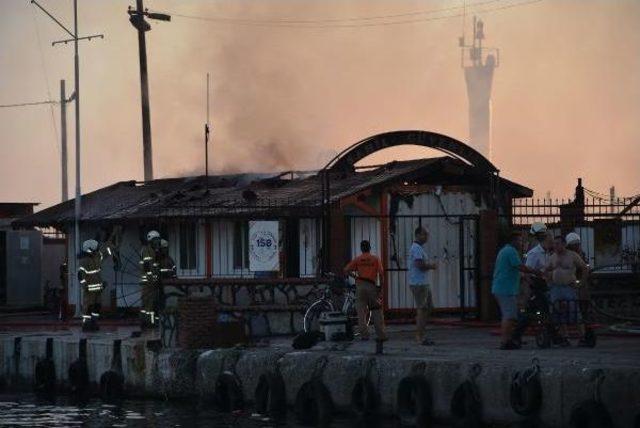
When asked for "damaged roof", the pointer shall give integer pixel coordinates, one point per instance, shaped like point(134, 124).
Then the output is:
point(222, 195)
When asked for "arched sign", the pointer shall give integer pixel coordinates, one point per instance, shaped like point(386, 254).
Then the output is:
point(360, 150)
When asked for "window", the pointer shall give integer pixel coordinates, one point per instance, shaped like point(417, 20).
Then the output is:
point(188, 246)
point(241, 245)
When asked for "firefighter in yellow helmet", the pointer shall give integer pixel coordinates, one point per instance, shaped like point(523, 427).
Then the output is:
point(89, 275)
point(165, 262)
point(149, 278)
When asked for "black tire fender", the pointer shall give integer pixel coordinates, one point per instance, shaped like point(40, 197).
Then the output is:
point(526, 392)
point(111, 386)
point(415, 402)
point(364, 399)
point(466, 407)
point(45, 377)
point(270, 398)
point(590, 414)
point(228, 393)
point(314, 406)
point(79, 377)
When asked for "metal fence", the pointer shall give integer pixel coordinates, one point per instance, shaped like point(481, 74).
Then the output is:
point(609, 230)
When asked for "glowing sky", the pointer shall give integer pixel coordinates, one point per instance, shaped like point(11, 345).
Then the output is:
point(566, 99)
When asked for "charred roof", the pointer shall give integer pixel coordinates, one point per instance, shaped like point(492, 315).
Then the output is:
point(229, 195)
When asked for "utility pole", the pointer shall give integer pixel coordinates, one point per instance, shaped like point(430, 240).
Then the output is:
point(206, 135)
point(76, 63)
point(136, 17)
point(63, 139)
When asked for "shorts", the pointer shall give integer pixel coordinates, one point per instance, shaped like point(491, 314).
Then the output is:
point(565, 304)
point(367, 296)
point(422, 296)
point(508, 306)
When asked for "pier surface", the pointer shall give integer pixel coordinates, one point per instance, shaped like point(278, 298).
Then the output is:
point(566, 374)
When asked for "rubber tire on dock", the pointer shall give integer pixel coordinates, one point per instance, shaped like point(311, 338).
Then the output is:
point(270, 397)
point(228, 393)
point(590, 414)
point(79, 377)
point(415, 403)
point(365, 400)
point(526, 396)
point(45, 377)
point(466, 407)
point(314, 406)
point(111, 386)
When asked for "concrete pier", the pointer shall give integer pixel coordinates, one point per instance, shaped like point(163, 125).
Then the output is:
point(566, 375)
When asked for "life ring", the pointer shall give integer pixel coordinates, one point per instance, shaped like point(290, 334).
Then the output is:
point(526, 392)
point(466, 407)
point(270, 398)
point(415, 403)
point(111, 385)
point(590, 414)
point(364, 400)
point(228, 393)
point(314, 406)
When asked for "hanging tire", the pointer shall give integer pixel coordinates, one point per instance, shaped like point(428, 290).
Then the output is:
point(543, 340)
point(590, 338)
point(228, 393)
point(590, 414)
point(45, 377)
point(79, 378)
point(415, 403)
point(270, 398)
point(526, 393)
point(466, 407)
point(365, 400)
point(314, 406)
point(111, 386)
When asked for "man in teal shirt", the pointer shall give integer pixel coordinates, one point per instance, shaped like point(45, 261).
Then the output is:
point(506, 286)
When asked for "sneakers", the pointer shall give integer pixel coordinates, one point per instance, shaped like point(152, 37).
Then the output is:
point(509, 346)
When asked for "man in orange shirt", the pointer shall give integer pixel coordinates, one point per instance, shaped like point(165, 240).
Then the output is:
point(365, 269)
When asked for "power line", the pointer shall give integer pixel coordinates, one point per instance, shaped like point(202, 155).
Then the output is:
point(327, 23)
point(334, 20)
point(46, 80)
point(37, 103)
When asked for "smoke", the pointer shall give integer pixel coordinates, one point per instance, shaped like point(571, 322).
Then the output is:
point(566, 96)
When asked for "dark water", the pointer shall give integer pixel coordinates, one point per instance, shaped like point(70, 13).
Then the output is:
point(25, 410)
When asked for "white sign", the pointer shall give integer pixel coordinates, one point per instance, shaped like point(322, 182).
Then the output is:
point(264, 254)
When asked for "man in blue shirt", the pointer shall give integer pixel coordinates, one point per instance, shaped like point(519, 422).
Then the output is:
point(506, 286)
point(420, 284)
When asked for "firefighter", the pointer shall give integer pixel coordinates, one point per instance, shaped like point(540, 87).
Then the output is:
point(149, 278)
point(165, 262)
point(89, 275)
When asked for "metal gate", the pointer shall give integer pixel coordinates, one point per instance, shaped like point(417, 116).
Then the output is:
point(452, 245)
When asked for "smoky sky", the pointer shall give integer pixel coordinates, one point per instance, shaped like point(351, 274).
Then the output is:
point(565, 104)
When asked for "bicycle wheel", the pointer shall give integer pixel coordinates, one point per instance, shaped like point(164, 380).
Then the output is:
point(312, 315)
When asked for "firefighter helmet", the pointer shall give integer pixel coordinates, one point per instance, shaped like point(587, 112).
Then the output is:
point(572, 238)
point(538, 227)
point(153, 234)
point(90, 245)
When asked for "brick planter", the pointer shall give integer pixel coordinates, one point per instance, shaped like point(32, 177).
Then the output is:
point(196, 322)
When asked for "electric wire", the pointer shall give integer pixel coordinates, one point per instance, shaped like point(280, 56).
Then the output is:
point(46, 80)
point(37, 103)
point(319, 25)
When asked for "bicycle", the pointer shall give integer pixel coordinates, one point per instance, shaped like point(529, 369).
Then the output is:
point(326, 304)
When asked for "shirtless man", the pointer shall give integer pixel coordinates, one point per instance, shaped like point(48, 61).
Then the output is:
point(564, 265)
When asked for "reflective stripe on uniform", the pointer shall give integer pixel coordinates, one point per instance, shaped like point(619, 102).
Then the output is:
point(89, 272)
